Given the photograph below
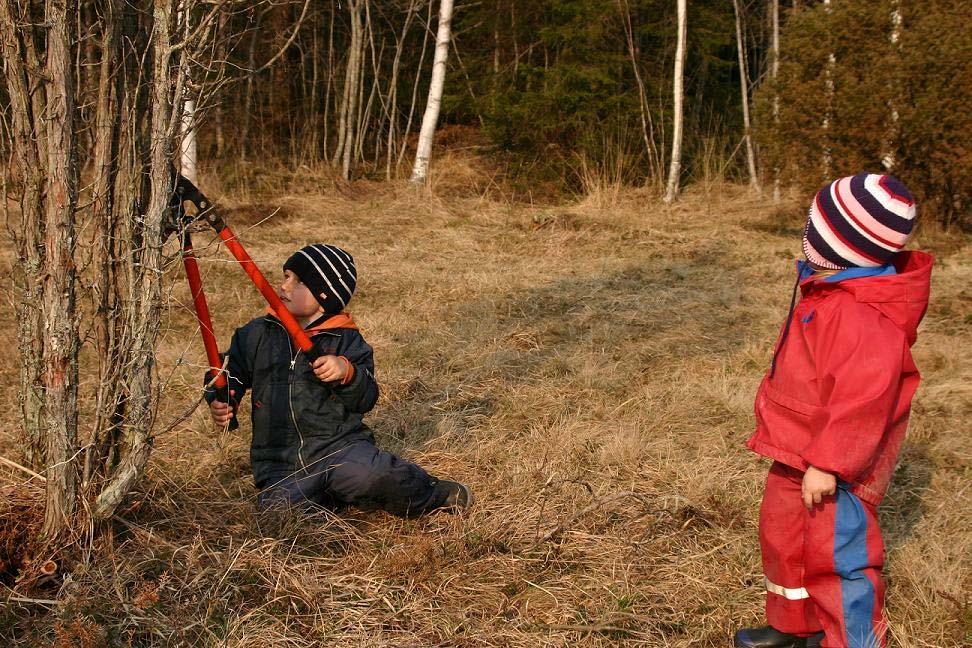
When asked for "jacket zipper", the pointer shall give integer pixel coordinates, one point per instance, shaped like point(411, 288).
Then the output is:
point(290, 397)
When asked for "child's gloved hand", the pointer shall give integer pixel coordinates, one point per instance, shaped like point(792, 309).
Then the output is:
point(816, 484)
point(221, 412)
point(330, 368)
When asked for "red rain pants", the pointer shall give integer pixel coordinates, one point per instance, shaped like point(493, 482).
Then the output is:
point(822, 567)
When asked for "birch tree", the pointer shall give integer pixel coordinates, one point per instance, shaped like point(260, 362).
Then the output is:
point(647, 126)
point(744, 94)
point(888, 160)
point(831, 65)
point(774, 78)
point(424, 150)
point(678, 92)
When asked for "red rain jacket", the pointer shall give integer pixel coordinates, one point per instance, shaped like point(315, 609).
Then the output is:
point(841, 393)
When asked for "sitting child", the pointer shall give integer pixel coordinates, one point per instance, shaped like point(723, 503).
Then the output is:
point(832, 411)
point(310, 446)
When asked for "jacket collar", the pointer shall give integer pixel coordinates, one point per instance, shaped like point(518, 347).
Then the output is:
point(324, 323)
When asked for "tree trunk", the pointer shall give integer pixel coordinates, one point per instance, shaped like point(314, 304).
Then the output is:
point(744, 93)
point(188, 148)
point(105, 289)
point(828, 108)
point(415, 86)
point(774, 76)
point(327, 92)
point(26, 119)
point(355, 62)
point(146, 285)
point(60, 365)
point(647, 126)
point(675, 168)
point(393, 92)
point(889, 159)
point(424, 150)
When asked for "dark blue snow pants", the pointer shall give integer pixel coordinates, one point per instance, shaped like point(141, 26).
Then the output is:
point(358, 475)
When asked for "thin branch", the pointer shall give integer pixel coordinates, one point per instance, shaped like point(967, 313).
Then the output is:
point(286, 46)
point(14, 464)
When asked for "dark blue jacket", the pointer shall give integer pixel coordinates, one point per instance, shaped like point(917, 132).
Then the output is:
point(298, 420)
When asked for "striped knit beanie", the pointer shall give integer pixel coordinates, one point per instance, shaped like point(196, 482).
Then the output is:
point(859, 221)
point(325, 269)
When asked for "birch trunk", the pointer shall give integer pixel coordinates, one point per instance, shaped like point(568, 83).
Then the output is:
point(888, 160)
point(828, 108)
point(744, 93)
point(187, 148)
point(647, 126)
point(393, 98)
point(774, 76)
point(424, 151)
point(350, 70)
point(675, 168)
point(415, 85)
point(327, 91)
point(346, 129)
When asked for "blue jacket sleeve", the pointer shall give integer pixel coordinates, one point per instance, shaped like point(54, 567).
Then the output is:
point(237, 369)
point(361, 394)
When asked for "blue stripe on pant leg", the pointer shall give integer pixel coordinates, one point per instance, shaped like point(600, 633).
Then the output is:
point(850, 561)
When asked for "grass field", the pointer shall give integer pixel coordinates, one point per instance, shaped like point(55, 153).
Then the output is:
point(588, 368)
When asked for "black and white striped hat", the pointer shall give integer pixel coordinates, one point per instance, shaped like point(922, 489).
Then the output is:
point(325, 269)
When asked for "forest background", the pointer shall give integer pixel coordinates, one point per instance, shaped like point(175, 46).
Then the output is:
point(552, 322)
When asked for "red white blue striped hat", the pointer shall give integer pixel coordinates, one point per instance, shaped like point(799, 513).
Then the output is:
point(859, 221)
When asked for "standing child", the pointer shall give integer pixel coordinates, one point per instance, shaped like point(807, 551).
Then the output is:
point(310, 446)
point(832, 411)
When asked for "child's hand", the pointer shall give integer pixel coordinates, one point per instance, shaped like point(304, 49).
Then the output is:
point(329, 368)
point(221, 412)
point(816, 484)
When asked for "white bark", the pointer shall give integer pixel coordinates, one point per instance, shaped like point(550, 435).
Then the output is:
point(828, 156)
point(424, 151)
point(647, 127)
point(393, 98)
point(744, 91)
point(888, 159)
point(187, 149)
point(774, 75)
point(675, 168)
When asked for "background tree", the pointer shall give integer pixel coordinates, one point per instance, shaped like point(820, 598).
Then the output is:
point(912, 112)
point(431, 117)
point(675, 169)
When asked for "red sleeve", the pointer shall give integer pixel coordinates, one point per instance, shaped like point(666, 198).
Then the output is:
point(858, 355)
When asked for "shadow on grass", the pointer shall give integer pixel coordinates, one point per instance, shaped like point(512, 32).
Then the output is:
point(636, 323)
point(905, 503)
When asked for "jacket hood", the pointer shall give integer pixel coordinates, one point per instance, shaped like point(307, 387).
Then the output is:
point(901, 297)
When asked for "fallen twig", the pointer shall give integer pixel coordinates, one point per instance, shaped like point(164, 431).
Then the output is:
point(14, 464)
point(24, 599)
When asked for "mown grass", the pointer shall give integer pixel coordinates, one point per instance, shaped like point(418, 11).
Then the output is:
point(588, 368)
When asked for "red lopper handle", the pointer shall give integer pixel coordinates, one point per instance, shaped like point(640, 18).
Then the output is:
point(294, 329)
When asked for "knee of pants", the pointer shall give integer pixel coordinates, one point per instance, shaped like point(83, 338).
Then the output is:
point(372, 476)
point(291, 490)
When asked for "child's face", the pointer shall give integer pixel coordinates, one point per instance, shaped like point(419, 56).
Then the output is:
point(297, 297)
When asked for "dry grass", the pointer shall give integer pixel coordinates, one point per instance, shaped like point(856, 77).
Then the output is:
point(589, 369)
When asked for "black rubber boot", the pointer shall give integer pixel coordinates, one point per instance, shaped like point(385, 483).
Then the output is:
point(769, 637)
point(459, 496)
